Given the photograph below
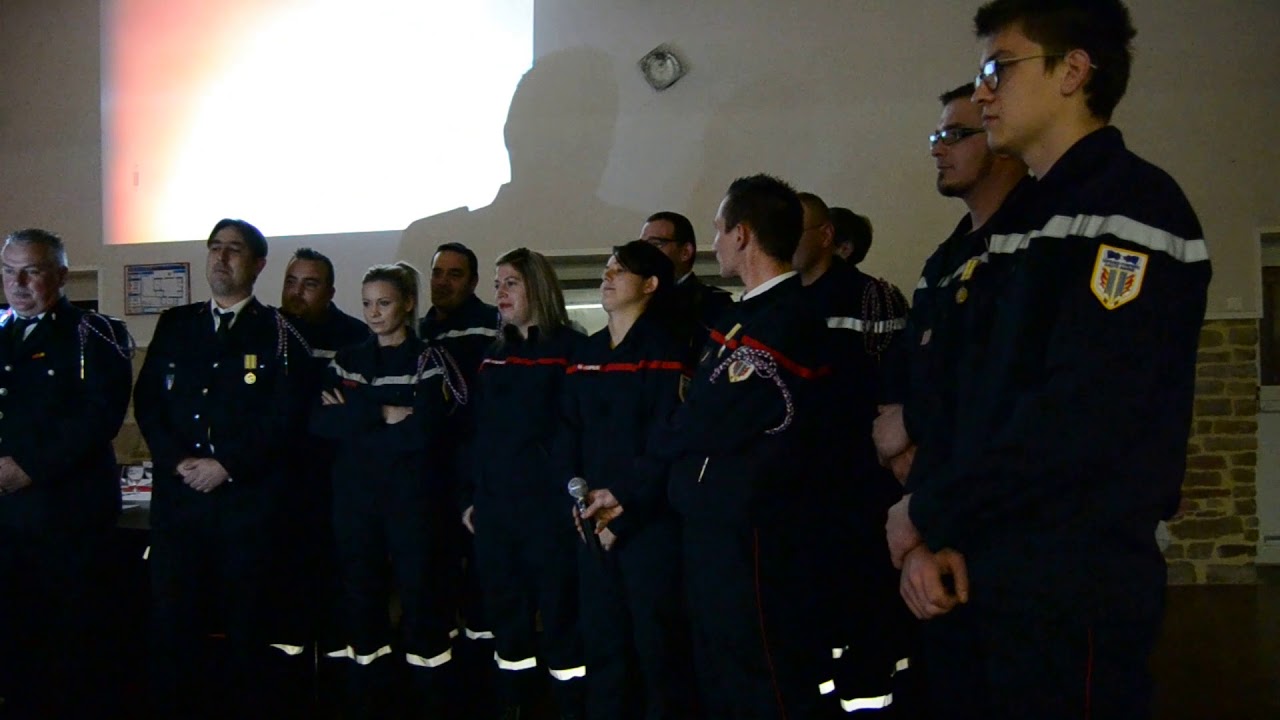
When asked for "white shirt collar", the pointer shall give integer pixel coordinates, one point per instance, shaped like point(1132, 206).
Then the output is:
point(30, 328)
point(684, 277)
point(768, 285)
point(235, 310)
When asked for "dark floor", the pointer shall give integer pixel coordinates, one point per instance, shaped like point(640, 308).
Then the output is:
point(1219, 655)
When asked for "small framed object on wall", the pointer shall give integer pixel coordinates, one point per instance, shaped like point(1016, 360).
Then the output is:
point(152, 289)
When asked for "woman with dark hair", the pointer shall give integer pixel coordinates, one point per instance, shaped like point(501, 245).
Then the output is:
point(622, 382)
point(383, 403)
point(518, 509)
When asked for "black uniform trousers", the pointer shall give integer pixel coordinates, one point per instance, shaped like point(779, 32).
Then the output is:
point(212, 568)
point(755, 651)
point(530, 572)
point(632, 598)
point(998, 664)
point(54, 626)
point(375, 517)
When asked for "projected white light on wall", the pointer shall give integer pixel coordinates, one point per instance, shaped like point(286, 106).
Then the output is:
point(305, 117)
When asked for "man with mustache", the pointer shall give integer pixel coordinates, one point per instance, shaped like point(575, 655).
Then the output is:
point(64, 388)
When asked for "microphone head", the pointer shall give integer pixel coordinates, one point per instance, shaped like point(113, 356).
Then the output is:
point(578, 488)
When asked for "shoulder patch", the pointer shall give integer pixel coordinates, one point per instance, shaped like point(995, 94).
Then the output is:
point(1117, 275)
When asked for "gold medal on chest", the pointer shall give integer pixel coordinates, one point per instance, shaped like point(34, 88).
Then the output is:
point(250, 378)
point(962, 294)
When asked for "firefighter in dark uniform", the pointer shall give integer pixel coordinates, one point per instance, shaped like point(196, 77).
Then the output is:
point(64, 388)
point(384, 399)
point(869, 629)
point(700, 304)
point(465, 326)
point(517, 507)
point(746, 446)
point(623, 382)
point(217, 400)
point(920, 379)
point(990, 185)
point(309, 625)
point(1078, 351)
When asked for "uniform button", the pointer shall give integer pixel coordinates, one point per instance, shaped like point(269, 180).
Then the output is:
point(8, 368)
point(197, 444)
point(4, 391)
point(205, 391)
point(197, 416)
point(50, 372)
point(215, 364)
point(1, 415)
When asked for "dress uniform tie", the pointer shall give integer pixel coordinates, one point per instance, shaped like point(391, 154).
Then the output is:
point(224, 324)
point(18, 330)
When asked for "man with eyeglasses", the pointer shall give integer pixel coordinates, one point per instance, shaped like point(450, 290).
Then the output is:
point(702, 304)
point(990, 184)
point(1073, 394)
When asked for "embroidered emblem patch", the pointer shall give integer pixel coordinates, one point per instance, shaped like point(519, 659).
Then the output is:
point(1117, 276)
point(740, 370)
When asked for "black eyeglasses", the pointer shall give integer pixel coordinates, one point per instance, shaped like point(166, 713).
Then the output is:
point(989, 74)
point(951, 136)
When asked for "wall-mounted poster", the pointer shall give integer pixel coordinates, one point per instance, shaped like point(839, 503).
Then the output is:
point(152, 289)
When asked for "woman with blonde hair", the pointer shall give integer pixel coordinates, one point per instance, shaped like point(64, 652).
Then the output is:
point(384, 402)
point(517, 507)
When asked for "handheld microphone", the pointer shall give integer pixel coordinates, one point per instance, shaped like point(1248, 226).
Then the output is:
point(578, 490)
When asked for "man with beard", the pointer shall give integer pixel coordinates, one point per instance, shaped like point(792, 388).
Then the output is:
point(308, 627)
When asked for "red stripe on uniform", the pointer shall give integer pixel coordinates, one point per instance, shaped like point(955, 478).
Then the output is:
point(794, 367)
point(628, 367)
point(764, 635)
point(524, 361)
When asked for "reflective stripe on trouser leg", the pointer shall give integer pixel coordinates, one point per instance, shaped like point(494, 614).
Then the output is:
point(436, 661)
point(867, 703)
point(568, 673)
point(350, 653)
point(526, 664)
point(290, 650)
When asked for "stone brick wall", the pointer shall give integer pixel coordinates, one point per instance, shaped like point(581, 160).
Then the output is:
point(1215, 535)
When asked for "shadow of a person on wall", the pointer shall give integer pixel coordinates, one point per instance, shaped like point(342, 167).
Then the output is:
point(559, 133)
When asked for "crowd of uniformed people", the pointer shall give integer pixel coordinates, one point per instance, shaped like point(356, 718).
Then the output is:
point(811, 502)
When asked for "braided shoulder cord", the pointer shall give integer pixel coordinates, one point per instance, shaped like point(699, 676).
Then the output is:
point(766, 367)
point(453, 379)
point(124, 346)
point(284, 329)
point(882, 305)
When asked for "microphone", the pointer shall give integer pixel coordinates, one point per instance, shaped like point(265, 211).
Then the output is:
point(578, 489)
